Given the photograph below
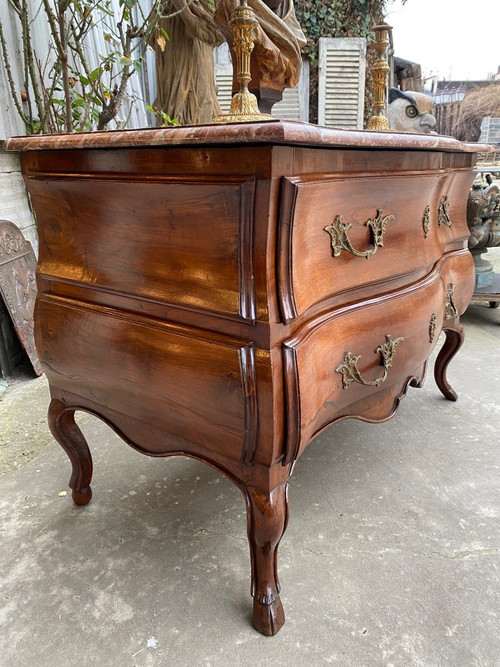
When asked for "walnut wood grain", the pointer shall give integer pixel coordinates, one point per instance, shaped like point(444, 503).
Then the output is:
point(453, 342)
point(307, 268)
point(189, 298)
point(315, 392)
point(150, 231)
point(181, 380)
point(65, 430)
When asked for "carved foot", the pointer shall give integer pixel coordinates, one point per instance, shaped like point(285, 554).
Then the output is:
point(453, 342)
point(267, 517)
point(268, 618)
point(64, 429)
point(419, 379)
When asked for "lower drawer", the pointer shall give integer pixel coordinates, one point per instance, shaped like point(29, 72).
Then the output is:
point(198, 387)
point(357, 361)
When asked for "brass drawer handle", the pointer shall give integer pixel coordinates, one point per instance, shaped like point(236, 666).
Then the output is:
point(432, 327)
point(450, 310)
point(426, 221)
point(349, 370)
point(443, 215)
point(340, 240)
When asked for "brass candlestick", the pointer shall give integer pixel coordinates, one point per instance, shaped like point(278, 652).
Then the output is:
point(244, 105)
point(380, 69)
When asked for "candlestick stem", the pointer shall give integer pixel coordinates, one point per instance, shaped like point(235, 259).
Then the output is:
point(244, 106)
point(380, 70)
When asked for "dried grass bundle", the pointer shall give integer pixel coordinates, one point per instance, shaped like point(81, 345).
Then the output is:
point(476, 105)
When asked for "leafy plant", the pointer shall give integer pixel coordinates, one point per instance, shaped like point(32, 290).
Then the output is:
point(165, 120)
point(335, 18)
point(61, 91)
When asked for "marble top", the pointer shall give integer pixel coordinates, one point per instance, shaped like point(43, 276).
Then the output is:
point(269, 132)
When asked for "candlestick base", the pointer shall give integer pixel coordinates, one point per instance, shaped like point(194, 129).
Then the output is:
point(244, 108)
point(378, 123)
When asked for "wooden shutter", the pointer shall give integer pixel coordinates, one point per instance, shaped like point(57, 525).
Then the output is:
point(341, 85)
point(295, 102)
point(224, 85)
point(293, 106)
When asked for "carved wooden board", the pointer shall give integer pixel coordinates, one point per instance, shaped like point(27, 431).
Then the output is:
point(18, 285)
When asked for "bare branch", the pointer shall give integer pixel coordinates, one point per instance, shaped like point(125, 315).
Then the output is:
point(63, 4)
point(48, 95)
point(52, 19)
point(31, 58)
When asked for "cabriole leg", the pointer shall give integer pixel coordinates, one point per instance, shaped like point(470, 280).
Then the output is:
point(64, 429)
point(453, 342)
point(267, 517)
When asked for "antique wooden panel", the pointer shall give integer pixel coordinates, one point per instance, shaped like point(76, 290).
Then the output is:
point(338, 362)
point(139, 238)
point(328, 248)
point(18, 285)
point(196, 386)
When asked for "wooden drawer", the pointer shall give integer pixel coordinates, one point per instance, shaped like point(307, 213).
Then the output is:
point(317, 215)
point(199, 387)
point(319, 386)
point(179, 240)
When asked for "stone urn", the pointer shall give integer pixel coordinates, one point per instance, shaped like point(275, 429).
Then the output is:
point(483, 220)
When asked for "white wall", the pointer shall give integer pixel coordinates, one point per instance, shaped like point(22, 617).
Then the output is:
point(14, 205)
point(10, 122)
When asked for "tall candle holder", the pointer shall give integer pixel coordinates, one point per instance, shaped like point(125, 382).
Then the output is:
point(380, 70)
point(244, 106)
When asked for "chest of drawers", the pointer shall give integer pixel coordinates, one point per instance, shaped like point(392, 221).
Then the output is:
point(227, 292)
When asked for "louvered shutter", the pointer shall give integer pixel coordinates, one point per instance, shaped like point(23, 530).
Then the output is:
point(341, 85)
point(224, 86)
point(293, 106)
point(295, 102)
point(223, 70)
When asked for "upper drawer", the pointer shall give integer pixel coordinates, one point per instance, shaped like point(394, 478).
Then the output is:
point(184, 241)
point(341, 233)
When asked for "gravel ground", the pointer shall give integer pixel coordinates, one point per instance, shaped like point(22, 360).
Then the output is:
point(23, 419)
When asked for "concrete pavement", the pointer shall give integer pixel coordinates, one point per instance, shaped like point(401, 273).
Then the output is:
point(391, 556)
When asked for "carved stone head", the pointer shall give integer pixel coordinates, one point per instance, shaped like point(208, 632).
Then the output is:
point(410, 112)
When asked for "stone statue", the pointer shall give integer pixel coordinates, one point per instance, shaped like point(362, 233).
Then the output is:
point(409, 111)
point(184, 63)
point(483, 219)
point(276, 60)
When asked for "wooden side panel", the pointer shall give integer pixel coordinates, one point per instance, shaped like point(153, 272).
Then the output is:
point(183, 241)
point(171, 378)
point(308, 269)
point(315, 389)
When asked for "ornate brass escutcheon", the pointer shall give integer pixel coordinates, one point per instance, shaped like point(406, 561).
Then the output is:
point(443, 216)
point(432, 327)
point(340, 240)
point(426, 221)
point(450, 310)
point(349, 369)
